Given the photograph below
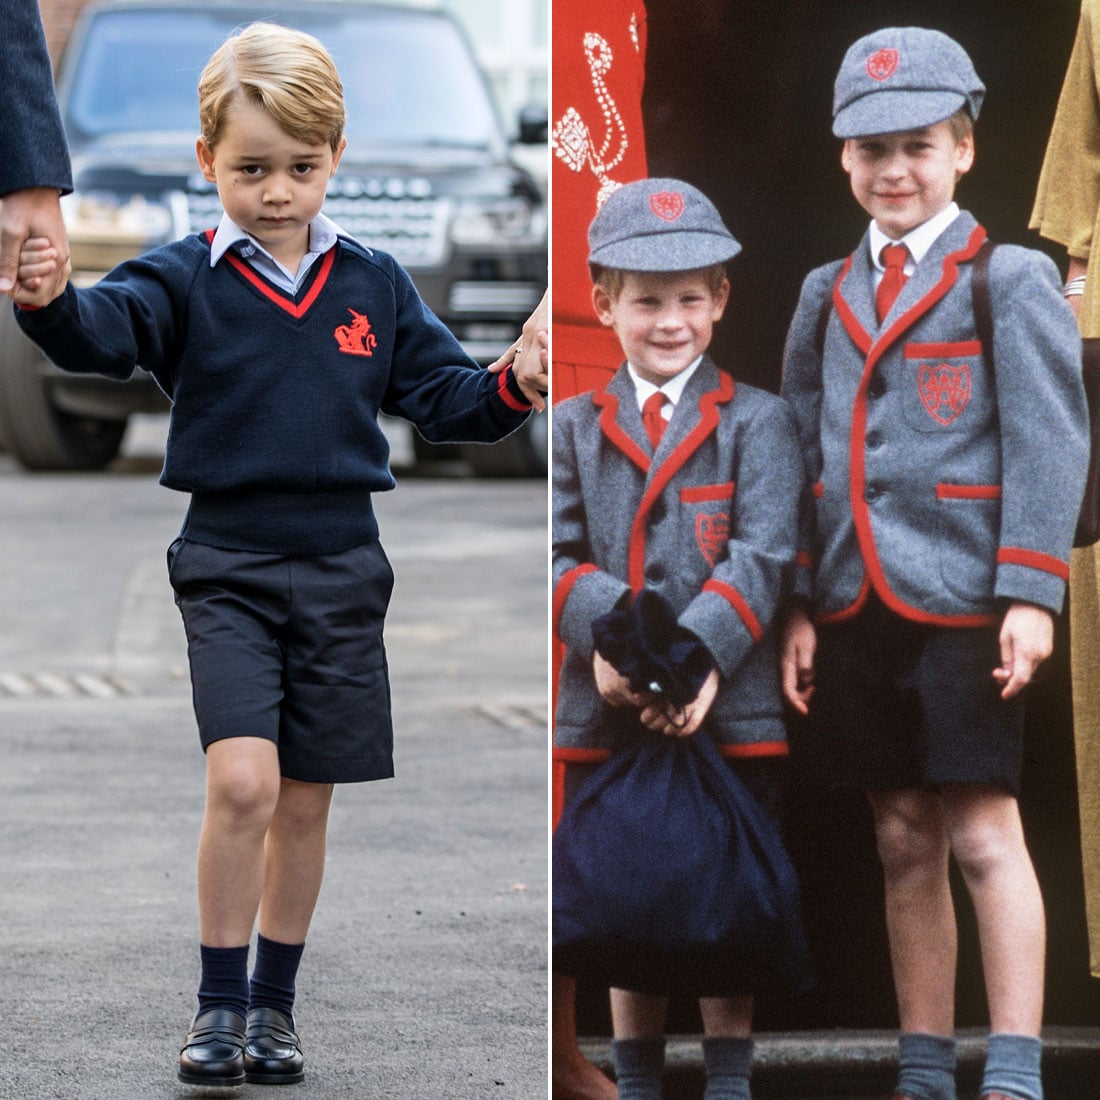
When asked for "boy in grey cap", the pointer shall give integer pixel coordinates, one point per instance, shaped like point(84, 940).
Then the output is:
point(947, 477)
point(677, 479)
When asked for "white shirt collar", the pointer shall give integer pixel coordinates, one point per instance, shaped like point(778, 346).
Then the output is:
point(673, 389)
point(918, 240)
point(323, 232)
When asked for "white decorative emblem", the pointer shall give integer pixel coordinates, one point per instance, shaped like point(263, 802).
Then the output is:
point(574, 142)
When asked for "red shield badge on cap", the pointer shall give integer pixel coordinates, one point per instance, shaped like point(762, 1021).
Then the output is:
point(882, 63)
point(944, 390)
point(668, 205)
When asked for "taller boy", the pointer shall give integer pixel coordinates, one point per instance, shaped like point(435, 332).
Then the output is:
point(947, 478)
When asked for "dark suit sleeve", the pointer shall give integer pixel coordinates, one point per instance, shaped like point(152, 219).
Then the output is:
point(31, 137)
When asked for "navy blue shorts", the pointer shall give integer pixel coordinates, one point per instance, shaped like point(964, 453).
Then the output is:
point(290, 650)
point(901, 705)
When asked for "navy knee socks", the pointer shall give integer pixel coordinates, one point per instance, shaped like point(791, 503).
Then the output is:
point(224, 981)
point(274, 973)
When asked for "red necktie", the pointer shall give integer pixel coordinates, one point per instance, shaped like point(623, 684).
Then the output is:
point(893, 258)
point(652, 419)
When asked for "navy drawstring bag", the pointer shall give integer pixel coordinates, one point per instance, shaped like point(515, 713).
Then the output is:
point(669, 876)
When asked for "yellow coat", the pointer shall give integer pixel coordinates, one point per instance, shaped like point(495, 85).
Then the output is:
point(1067, 210)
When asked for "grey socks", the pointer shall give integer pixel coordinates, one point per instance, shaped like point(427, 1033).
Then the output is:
point(639, 1064)
point(926, 1066)
point(729, 1066)
point(1012, 1067)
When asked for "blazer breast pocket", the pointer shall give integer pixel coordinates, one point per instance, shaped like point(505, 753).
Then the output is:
point(945, 386)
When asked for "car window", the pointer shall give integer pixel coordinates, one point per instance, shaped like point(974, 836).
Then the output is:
point(138, 71)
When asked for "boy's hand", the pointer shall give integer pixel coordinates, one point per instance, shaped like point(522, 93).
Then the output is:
point(41, 274)
point(32, 212)
point(614, 687)
point(676, 722)
point(798, 644)
point(1027, 638)
point(529, 357)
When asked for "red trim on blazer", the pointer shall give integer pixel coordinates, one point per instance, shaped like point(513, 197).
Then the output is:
point(819, 489)
point(669, 468)
point(754, 749)
point(699, 494)
point(804, 559)
point(1033, 559)
point(858, 334)
point(861, 514)
point(943, 351)
point(852, 610)
point(608, 403)
point(739, 604)
point(567, 755)
point(506, 395)
point(968, 492)
point(562, 590)
point(296, 310)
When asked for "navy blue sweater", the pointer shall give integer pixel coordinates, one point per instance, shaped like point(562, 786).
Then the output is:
point(275, 398)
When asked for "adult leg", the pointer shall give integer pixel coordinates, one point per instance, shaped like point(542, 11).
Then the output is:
point(638, 1020)
point(574, 1077)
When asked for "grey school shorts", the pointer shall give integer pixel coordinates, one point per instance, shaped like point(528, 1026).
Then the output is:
point(290, 649)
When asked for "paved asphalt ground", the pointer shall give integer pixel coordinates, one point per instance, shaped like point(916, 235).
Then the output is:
point(424, 976)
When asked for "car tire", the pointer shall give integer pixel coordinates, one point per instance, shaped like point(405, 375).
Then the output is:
point(36, 433)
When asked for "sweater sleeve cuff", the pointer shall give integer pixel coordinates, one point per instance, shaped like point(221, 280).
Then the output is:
point(509, 392)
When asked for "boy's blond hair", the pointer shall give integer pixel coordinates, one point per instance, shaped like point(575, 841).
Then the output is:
point(611, 280)
point(286, 72)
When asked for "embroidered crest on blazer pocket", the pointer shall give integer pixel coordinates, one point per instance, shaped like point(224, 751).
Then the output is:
point(943, 382)
point(712, 526)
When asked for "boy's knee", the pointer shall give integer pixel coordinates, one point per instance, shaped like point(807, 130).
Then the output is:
point(908, 842)
point(242, 790)
point(982, 847)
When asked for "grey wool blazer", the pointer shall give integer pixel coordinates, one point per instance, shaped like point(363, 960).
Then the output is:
point(709, 521)
point(946, 476)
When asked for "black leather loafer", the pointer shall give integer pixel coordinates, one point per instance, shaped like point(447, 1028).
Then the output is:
point(213, 1052)
point(272, 1050)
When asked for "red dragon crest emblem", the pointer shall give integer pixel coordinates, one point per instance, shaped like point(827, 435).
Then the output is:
point(356, 338)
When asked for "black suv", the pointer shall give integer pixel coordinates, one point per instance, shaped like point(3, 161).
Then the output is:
point(426, 176)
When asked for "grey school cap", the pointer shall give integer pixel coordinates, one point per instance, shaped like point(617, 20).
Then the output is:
point(659, 225)
point(903, 78)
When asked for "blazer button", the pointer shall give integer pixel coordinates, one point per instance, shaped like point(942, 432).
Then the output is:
point(655, 573)
point(876, 389)
point(874, 441)
point(871, 493)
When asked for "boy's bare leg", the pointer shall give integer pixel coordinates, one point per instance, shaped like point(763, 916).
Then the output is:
point(987, 839)
point(637, 1015)
point(913, 848)
point(242, 789)
point(727, 1017)
point(574, 1077)
point(294, 860)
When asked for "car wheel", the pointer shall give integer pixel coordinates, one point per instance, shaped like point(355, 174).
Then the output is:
point(35, 432)
point(522, 454)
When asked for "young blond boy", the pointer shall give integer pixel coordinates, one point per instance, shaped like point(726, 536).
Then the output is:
point(947, 479)
point(278, 572)
point(674, 478)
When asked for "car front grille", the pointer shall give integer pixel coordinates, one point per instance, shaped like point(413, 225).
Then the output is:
point(412, 230)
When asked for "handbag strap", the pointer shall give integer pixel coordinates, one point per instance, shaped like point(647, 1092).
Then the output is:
point(983, 310)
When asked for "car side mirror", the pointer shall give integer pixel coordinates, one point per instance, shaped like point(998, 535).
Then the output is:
point(534, 124)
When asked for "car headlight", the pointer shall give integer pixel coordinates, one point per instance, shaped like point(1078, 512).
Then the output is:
point(105, 228)
point(503, 223)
